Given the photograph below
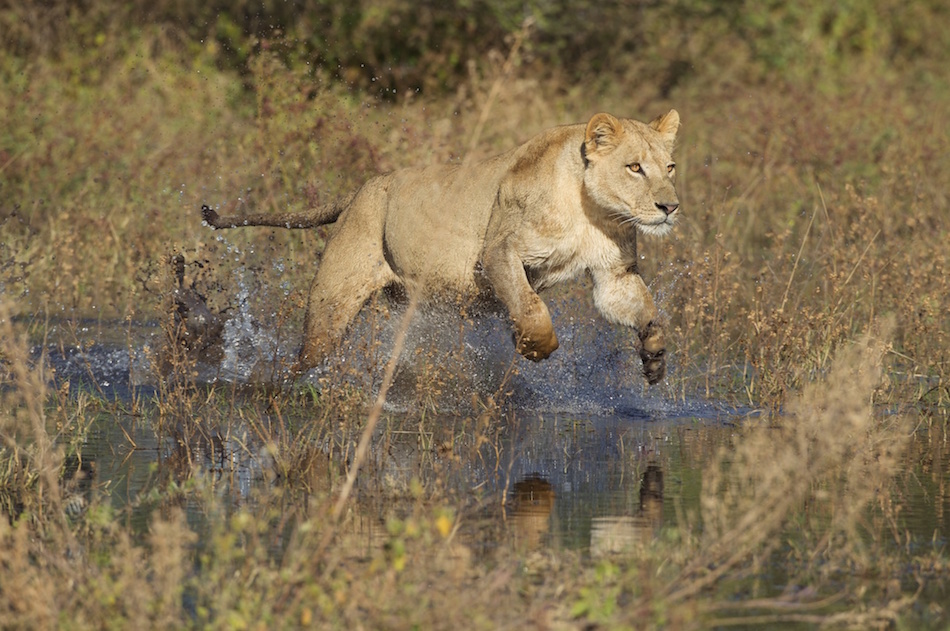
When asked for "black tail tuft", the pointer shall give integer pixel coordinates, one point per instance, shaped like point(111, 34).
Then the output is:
point(209, 215)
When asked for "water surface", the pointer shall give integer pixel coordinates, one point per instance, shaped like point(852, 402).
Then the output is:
point(583, 455)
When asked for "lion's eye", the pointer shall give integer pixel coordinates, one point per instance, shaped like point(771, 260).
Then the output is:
point(670, 167)
point(634, 167)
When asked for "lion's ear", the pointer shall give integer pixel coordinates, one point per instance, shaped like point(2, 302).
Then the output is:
point(667, 125)
point(603, 132)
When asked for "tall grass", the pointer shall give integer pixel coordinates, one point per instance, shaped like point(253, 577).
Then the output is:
point(30, 459)
point(814, 221)
point(808, 278)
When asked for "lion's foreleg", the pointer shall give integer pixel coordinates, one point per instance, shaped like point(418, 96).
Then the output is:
point(623, 297)
point(534, 331)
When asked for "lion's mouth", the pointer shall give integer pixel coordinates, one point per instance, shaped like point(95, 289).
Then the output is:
point(658, 224)
point(659, 227)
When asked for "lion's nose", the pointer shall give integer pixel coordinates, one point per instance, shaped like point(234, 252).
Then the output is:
point(669, 207)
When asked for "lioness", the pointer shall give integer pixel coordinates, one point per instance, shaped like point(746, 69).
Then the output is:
point(570, 199)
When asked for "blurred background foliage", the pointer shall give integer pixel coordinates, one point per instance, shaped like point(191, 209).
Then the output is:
point(389, 47)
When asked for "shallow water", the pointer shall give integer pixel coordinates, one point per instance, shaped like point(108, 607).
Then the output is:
point(582, 425)
point(588, 457)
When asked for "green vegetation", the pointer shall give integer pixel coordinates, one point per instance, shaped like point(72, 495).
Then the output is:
point(809, 278)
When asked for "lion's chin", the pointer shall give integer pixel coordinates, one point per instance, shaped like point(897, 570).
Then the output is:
point(656, 229)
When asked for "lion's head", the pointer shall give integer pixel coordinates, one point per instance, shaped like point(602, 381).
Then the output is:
point(630, 170)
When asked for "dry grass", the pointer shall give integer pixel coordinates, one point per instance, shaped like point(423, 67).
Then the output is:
point(796, 241)
point(810, 216)
point(809, 279)
point(811, 494)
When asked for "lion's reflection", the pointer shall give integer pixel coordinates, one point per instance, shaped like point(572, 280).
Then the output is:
point(531, 508)
point(616, 533)
point(533, 501)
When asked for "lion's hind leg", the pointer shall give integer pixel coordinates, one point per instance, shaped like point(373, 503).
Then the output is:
point(348, 275)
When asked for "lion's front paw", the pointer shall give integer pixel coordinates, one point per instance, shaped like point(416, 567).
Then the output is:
point(534, 335)
point(536, 346)
point(653, 353)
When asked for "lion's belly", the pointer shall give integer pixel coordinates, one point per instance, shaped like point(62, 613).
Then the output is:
point(435, 228)
point(442, 263)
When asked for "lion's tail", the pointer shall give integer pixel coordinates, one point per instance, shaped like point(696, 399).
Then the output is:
point(317, 216)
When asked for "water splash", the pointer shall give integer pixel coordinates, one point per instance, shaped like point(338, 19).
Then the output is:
point(96, 356)
point(450, 364)
point(596, 370)
point(248, 347)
